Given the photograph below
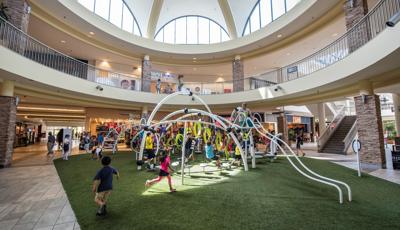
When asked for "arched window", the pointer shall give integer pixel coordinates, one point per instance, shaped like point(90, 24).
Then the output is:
point(266, 11)
point(191, 29)
point(118, 13)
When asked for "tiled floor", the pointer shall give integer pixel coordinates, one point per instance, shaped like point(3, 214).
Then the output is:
point(32, 196)
point(31, 193)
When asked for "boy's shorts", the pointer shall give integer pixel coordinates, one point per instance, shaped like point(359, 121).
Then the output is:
point(102, 195)
point(150, 153)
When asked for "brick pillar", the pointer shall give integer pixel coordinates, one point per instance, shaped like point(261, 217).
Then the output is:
point(237, 75)
point(145, 112)
point(370, 131)
point(354, 11)
point(146, 74)
point(282, 127)
point(396, 110)
point(8, 111)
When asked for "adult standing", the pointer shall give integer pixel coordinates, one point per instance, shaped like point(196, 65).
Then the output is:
point(100, 139)
point(60, 136)
point(51, 141)
point(299, 143)
point(86, 142)
point(158, 86)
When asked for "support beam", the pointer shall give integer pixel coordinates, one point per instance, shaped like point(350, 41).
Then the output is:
point(396, 108)
point(7, 88)
point(153, 19)
point(230, 22)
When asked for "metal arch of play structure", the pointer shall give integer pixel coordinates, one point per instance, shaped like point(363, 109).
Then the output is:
point(155, 110)
point(247, 125)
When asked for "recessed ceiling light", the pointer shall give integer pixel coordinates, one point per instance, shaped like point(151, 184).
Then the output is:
point(334, 35)
point(194, 69)
point(63, 41)
point(288, 54)
point(279, 35)
point(91, 33)
point(194, 58)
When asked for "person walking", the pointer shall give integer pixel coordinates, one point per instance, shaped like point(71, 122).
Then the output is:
point(158, 86)
point(299, 143)
point(51, 141)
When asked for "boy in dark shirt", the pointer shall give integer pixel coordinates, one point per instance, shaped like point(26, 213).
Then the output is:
point(102, 184)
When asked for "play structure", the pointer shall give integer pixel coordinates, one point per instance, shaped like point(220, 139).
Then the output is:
point(206, 126)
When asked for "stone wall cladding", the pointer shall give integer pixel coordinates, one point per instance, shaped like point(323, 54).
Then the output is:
point(146, 75)
point(8, 111)
point(237, 76)
point(282, 127)
point(370, 130)
point(354, 11)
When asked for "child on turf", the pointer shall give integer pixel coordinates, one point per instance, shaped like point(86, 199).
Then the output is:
point(149, 150)
point(238, 156)
point(165, 165)
point(210, 154)
point(102, 184)
point(97, 152)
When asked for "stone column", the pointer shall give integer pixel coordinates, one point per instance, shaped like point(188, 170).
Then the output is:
point(370, 131)
point(18, 12)
point(396, 108)
point(145, 112)
point(354, 11)
point(237, 75)
point(146, 74)
point(8, 110)
point(321, 118)
point(282, 126)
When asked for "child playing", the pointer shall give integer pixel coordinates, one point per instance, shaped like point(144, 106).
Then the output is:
point(238, 156)
point(102, 185)
point(149, 150)
point(96, 153)
point(165, 165)
point(210, 154)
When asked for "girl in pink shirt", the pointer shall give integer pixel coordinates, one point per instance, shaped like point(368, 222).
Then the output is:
point(165, 165)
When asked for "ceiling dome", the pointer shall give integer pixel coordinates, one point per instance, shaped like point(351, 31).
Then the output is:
point(190, 21)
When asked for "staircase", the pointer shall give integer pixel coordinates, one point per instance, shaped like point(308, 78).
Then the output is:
point(335, 143)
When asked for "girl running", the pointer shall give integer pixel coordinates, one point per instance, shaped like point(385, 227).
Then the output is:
point(165, 165)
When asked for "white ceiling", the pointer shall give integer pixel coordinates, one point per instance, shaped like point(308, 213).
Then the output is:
point(141, 9)
point(241, 11)
point(175, 8)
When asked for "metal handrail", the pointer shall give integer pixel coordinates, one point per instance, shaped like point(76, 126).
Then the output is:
point(357, 36)
point(327, 133)
point(350, 136)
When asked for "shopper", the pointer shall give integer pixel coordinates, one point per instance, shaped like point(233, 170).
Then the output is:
point(86, 143)
point(51, 141)
point(60, 136)
point(100, 139)
point(66, 149)
point(299, 143)
point(158, 86)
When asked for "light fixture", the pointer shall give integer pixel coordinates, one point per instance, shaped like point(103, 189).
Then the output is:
point(91, 33)
point(50, 109)
point(63, 41)
point(167, 73)
point(194, 58)
point(99, 88)
point(194, 69)
point(334, 34)
point(288, 54)
point(279, 36)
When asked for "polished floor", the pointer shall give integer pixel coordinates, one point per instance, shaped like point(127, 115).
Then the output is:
point(32, 196)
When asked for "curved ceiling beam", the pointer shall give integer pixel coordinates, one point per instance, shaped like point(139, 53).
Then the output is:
point(153, 19)
point(230, 22)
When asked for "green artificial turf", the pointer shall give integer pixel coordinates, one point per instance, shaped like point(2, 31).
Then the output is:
point(272, 196)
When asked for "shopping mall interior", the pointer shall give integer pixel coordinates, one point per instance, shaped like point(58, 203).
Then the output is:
point(261, 114)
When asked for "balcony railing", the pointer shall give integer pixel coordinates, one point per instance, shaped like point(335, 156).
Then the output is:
point(365, 30)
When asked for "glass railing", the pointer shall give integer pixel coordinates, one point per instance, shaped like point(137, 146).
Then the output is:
point(365, 30)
